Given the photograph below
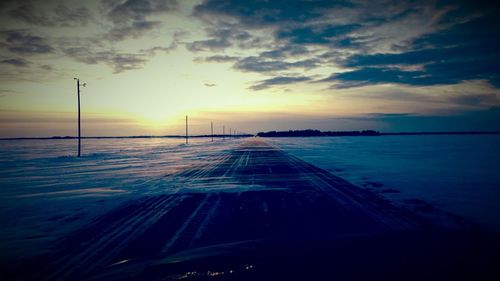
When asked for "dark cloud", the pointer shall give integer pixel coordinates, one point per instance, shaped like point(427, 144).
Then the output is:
point(176, 38)
point(322, 34)
point(287, 51)
point(260, 64)
point(465, 51)
point(209, 84)
point(121, 20)
point(118, 61)
point(280, 80)
point(381, 75)
point(225, 35)
point(408, 58)
point(130, 17)
point(259, 13)
point(46, 67)
point(158, 49)
point(134, 30)
point(231, 25)
point(122, 62)
point(266, 62)
point(230, 21)
point(418, 43)
point(20, 62)
point(137, 10)
point(61, 15)
point(208, 45)
point(220, 58)
point(23, 43)
point(96, 51)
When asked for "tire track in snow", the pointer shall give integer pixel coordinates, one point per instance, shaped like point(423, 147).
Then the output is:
point(272, 195)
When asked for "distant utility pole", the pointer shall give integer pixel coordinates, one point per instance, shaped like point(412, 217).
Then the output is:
point(230, 133)
point(212, 130)
point(186, 129)
point(79, 130)
point(223, 131)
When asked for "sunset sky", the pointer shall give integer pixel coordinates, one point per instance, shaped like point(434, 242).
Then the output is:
point(252, 65)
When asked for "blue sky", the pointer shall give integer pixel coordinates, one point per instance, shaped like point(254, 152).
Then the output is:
point(256, 65)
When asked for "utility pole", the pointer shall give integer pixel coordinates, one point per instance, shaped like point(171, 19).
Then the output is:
point(186, 129)
point(230, 133)
point(79, 129)
point(212, 130)
point(223, 131)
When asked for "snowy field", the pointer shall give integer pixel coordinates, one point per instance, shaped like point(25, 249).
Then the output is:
point(455, 173)
point(46, 192)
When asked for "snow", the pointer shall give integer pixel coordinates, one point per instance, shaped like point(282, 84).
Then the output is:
point(47, 192)
point(455, 173)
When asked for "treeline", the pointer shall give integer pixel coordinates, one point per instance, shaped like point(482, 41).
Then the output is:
point(317, 133)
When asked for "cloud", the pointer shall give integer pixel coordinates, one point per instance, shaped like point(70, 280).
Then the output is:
point(84, 50)
point(371, 75)
point(113, 21)
point(367, 24)
point(24, 43)
point(61, 15)
point(208, 45)
point(223, 36)
point(260, 64)
point(120, 62)
point(321, 34)
point(466, 51)
point(281, 80)
point(261, 13)
point(137, 10)
point(209, 84)
point(271, 28)
point(420, 43)
point(94, 51)
point(176, 38)
point(129, 17)
point(287, 51)
point(20, 62)
point(134, 30)
point(47, 67)
point(219, 58)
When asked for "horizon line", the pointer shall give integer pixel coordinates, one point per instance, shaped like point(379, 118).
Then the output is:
point(248, 135)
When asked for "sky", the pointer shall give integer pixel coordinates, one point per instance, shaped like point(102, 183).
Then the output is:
point(392, 66)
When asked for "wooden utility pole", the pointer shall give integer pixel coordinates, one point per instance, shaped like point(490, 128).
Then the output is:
point(79, 128)
point(186, 129)
point(212, 130)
